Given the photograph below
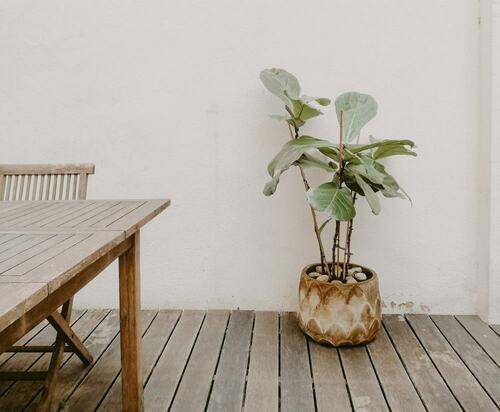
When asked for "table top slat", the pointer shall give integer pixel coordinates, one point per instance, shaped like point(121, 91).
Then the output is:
point(44, 244)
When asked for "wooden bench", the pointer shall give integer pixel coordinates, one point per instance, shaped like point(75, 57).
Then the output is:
point(56, 182)
point(49, 250)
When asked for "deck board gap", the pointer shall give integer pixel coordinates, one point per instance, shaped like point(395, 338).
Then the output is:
point(218, 360)
point(187, 361)
point(405, 367)
point(378, 378)
point(433, 363)
point(146, 380)
point(463, 361)
point(248, 363)
point(345, 379)
point(311, 375)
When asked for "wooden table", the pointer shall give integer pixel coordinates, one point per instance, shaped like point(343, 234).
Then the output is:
point(49, 250)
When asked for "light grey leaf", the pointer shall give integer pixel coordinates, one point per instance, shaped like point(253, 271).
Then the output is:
point(281, 83)
point(291, 152)
point(308, 161)
point(358, 109)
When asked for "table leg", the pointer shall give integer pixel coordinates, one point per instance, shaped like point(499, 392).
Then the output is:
point(130, 329)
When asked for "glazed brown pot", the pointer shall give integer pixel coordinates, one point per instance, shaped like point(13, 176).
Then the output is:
point(339, 314)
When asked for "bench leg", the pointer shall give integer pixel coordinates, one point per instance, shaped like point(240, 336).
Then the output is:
point(61, 324)
point(55, 362)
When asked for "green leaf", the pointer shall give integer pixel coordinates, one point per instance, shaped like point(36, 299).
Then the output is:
point(386, 151)
point(323, 101)
point(358, 109)
point(270, 186)
point(307, 112)
point(370, 195)
point(290, 153)
point(307, 161)
point(357, 148)
point(281, 83)
point(293, 150)
point(323, 225)
point(337, 203)
point(368, 168)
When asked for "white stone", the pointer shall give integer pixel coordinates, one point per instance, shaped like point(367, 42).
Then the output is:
point(319, 269)
point(360, 276)
point(323, 278)
point(355, 270)
point(314, 275)
point(350, 279)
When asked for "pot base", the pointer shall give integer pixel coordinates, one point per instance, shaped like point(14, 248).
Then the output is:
point(339, 314)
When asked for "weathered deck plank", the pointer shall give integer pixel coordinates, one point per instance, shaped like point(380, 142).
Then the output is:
point(263, 370)
point(296, 386)
point(167, 373)
point(330, 384)
point(229, 383)
point(196, 382)
point(365, 390)
point(476, 359)
point(195, 361)
point(153, 343)
point(464, 386)
point(483, 334)
point(94, 386)
point(398, 388)
point(424, 375)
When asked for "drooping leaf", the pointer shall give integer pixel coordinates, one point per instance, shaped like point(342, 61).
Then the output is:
point(370, 195)
point(323, 225)
point(358, 109)
point(308, 161)
point(386, 151)
point(282, 84)
point(291, 152)
point(337, 203)
point(390, 187)
point(270, 186)
point(358, 148)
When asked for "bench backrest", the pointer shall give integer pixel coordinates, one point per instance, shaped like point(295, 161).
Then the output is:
point(44, 181)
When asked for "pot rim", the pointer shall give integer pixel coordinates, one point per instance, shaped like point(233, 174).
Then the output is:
point(307, 268)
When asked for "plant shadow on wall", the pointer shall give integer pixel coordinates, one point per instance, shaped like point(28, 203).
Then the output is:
point(339, 300)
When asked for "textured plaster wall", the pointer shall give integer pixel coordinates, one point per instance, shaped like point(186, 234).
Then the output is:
point(164, 97)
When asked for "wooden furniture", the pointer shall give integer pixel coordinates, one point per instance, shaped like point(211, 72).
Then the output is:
point(44, 182)
point(39, 182)
point(49, 250)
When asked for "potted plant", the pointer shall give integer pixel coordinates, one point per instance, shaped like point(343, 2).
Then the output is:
point(339, 301)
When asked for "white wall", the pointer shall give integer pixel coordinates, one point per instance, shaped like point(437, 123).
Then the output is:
point(489, 166)
point(164, 97)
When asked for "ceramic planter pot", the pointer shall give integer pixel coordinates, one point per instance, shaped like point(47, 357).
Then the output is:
point(337, 313)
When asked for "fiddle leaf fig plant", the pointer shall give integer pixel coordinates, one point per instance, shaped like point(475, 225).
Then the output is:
point(352, 168)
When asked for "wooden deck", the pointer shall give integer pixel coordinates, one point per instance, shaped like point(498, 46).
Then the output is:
point(241, 360)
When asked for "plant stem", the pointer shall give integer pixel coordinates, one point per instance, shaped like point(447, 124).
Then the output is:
point(336, 238)
point(335, 251)
point(324, 264)
point(347, 249)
